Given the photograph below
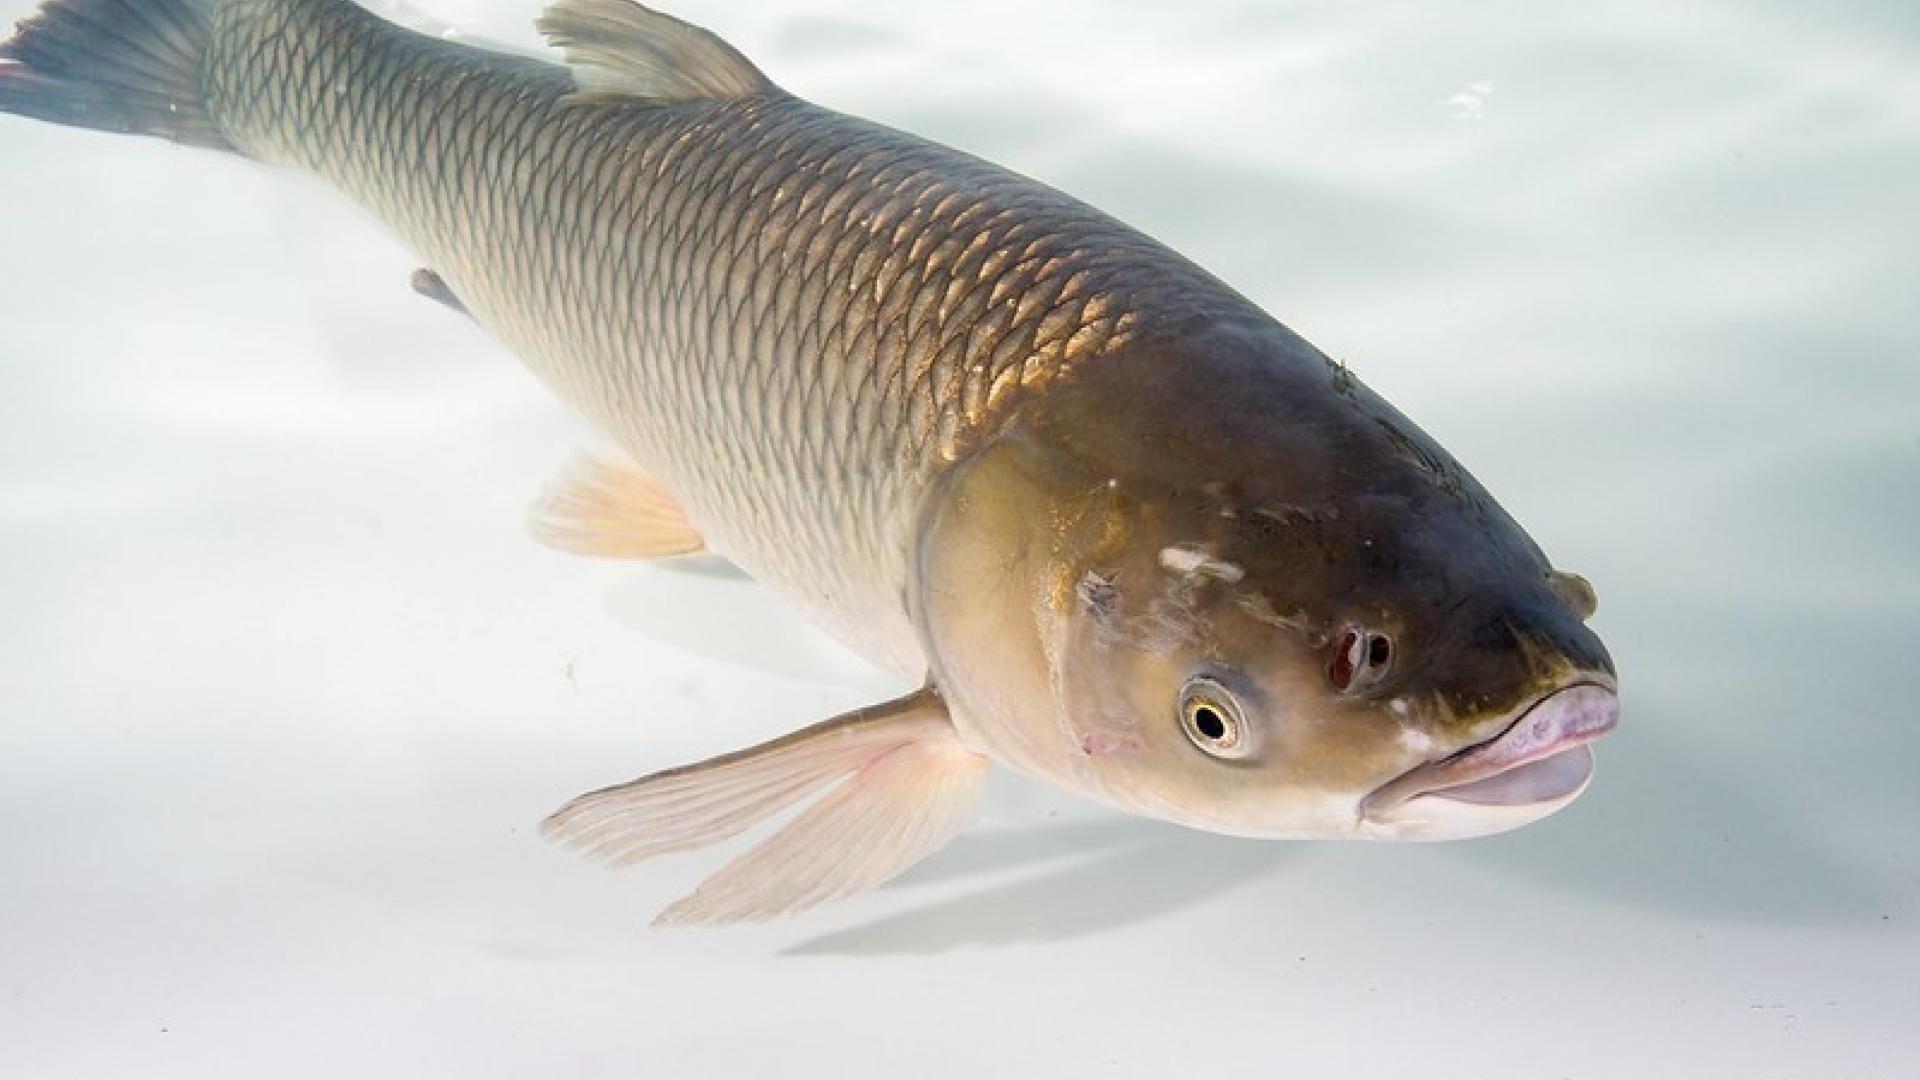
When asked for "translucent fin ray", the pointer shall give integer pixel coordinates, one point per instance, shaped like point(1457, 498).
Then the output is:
point(126, 66)
point(619, 49)
point(608, 507)
point(900, 781)
point(891, 814)
point(709, 801)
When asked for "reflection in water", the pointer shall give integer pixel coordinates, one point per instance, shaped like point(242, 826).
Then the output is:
point(1095, 879)
point(1699, 834)
point(708, 607)
point(1714, 840)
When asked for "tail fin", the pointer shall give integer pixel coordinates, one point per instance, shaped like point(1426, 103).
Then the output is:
point(131, 66)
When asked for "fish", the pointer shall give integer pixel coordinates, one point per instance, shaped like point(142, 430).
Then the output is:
point(1126, 532)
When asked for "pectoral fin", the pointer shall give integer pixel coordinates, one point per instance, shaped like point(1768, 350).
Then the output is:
point(435, 288)
point(608, 507)
point(900, 786)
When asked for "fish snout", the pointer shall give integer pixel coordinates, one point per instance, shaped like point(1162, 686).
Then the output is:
point(1536, 765)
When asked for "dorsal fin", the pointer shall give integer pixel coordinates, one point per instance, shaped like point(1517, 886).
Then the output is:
point(619, 49)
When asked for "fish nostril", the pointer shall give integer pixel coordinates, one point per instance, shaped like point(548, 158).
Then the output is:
point(1379, 650)
point(1346, 661)
point(1360, 660)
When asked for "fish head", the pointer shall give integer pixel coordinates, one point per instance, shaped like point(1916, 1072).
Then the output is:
point(1232, 588)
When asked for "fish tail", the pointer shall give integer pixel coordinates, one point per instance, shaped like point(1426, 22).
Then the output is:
point(129, 66)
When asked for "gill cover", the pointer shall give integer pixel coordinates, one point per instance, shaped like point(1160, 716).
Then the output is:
point(1065, 630)
point(989, 598)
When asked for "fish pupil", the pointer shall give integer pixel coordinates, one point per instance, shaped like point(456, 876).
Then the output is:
point(1208, 722)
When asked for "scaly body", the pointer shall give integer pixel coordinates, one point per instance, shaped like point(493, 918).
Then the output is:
point(1139, 539)
point(792, 317)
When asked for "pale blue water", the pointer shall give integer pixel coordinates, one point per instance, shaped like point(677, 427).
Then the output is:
point(283, 687)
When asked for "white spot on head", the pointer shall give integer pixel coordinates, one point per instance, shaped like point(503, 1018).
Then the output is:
point(1190, 561)
point(1399, 706)
point(1181, 559)
point(1416, 741)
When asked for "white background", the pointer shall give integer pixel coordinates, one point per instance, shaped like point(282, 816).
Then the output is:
point(284, 687)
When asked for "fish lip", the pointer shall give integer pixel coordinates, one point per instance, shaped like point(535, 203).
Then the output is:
point(1563, 720)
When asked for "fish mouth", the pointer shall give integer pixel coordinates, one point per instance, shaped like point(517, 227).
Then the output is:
point(1536, 765)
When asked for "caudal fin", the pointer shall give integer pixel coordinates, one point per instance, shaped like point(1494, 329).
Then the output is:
point(130, 66)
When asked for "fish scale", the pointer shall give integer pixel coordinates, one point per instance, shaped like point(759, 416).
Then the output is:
point(793, 317)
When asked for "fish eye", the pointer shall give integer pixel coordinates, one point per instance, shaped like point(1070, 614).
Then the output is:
point(1360, 658)
point(1211, 718)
